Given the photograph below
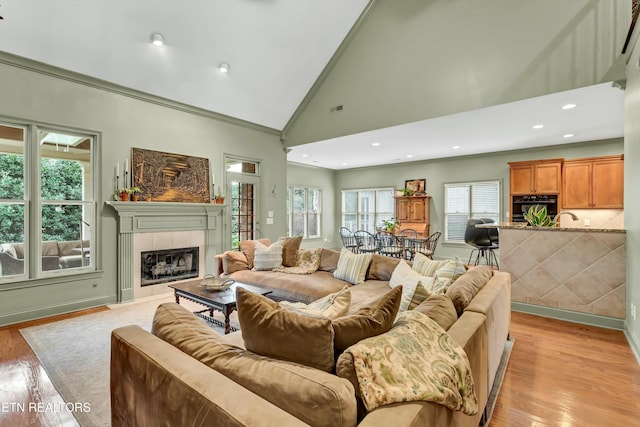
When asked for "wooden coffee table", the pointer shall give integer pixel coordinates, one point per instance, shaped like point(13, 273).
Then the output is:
point(224, 301)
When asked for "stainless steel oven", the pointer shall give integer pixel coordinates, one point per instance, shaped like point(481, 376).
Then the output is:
point(521, 204)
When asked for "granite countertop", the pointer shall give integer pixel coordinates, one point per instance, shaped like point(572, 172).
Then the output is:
point(523, 226)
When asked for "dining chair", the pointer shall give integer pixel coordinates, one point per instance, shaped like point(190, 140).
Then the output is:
point(366, 242)
point(389, 244)
point(348, 239)
point(426, 247)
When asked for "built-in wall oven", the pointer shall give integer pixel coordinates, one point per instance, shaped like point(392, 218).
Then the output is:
point(521, 204)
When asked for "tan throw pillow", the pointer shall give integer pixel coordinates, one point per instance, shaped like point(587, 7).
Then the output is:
point(248, 248)
point(329, 260)
point(352, 267)
point(233, 261)
point(290, 247)
point(266, 258)
point(272, 331)
point(420, 294)
point(440, 309)
point(332, 306)
point(465, 288)
point(368, 321)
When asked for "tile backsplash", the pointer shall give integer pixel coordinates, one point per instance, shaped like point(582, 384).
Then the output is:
point(598, 218)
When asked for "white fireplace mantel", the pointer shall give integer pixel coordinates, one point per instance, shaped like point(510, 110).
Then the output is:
point(151, 217)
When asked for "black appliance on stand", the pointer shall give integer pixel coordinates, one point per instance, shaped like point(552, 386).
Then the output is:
point(521, 204)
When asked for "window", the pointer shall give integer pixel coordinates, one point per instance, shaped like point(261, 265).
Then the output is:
point(303, 212)
point(469, 200)
point(46, 202)
point(365, 209)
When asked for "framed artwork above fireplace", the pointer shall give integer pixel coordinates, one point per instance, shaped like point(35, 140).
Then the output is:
point(169, 177)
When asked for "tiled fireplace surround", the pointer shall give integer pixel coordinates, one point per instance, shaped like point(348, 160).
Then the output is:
point(146, 226)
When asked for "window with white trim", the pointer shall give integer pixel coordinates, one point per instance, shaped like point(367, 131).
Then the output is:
point(365, 209)
point(469, 200)
point(304, 208)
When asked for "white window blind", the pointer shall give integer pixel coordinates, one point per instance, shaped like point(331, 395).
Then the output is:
point(469, 200)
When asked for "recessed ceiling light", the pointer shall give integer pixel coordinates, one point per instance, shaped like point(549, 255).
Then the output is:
point(305, 155)
point(537, 126)
point(567, 135)
point(156, 39)
point(375, 144)
point(409, 156)
point(345, 164)
point(456, 147)
point(224, 67)
point(569, 106)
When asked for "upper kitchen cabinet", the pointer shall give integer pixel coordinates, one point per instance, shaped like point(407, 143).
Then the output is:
point(536, 177)
point(593, 183)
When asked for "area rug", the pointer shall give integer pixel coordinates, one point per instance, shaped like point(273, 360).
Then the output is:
point(497, 383)
point(75, 353)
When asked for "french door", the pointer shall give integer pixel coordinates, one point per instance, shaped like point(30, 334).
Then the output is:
point(243, 188)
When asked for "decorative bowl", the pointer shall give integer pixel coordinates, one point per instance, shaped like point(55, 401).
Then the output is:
point(212, 283)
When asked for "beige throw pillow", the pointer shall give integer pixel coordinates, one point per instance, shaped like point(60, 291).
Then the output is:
point(290, 247)
point(352, 267)
point(233, 261)
point(411, 282)
point(273, 331)
point(267, 258)
point(440, 309)
point(332, 306)
point(465, 288)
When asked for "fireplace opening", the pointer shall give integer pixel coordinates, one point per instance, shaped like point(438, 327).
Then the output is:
point(168, 265)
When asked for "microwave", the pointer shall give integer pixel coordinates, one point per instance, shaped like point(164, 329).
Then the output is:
point(521, 204)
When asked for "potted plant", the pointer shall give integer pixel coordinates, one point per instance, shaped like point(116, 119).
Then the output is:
point(390, 225)
point(219, 198)
point(122, 194)
point(135, 193)
point(537, 216)
point(407, 192)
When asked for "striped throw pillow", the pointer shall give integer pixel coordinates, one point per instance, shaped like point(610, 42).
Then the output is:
point(352, 267)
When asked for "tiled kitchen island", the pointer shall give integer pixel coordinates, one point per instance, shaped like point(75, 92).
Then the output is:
point(576, 274)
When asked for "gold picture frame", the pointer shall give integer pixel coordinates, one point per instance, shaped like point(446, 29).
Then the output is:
point(169, 177)
point(418, 187)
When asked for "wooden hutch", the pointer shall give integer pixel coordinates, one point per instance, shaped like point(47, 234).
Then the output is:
point(413, 212)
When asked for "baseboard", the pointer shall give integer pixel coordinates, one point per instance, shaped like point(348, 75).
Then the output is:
point(635, 345)
point(53, 310)
point(569, 316)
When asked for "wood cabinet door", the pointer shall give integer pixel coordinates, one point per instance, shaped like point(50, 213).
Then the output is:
point(521, 178)
point(417, 210)
point(547, 178)
point(608, 184)
point(576, 185)
point(402, 209)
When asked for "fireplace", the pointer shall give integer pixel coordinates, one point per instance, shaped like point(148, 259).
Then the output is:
point(168, 265)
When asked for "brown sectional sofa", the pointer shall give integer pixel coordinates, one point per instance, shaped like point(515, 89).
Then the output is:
point(187, 374)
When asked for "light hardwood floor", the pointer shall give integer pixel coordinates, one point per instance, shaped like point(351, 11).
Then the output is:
point(560, 374)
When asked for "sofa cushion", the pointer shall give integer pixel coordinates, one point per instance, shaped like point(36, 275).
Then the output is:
point(332, 306)
point(440, 309)
point(267, 257)
point(273, 331)
point(329, 260)
point(290, 247)
point(462, 291)
point(382, 267)
point(368, 321)
point(290, 386)
point(248, 248)
point(233, 261)
point(352, 267)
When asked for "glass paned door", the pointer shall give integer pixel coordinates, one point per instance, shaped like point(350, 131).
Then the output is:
point(243, 183)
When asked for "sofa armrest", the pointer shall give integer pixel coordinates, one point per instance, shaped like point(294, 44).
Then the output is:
point(218, 267)
point(154, 383)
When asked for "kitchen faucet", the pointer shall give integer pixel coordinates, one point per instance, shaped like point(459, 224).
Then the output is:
point(573, 216)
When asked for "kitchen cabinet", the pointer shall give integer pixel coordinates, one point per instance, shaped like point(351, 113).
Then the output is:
point(413, 212)
point(593, 183)
point(536, 177)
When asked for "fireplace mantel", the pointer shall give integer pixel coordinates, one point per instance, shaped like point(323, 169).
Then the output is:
point(150, 217)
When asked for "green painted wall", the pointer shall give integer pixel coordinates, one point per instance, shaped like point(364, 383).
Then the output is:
point(124, 122)
point(413, 59)
point(631, 185)
point(461, 169)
